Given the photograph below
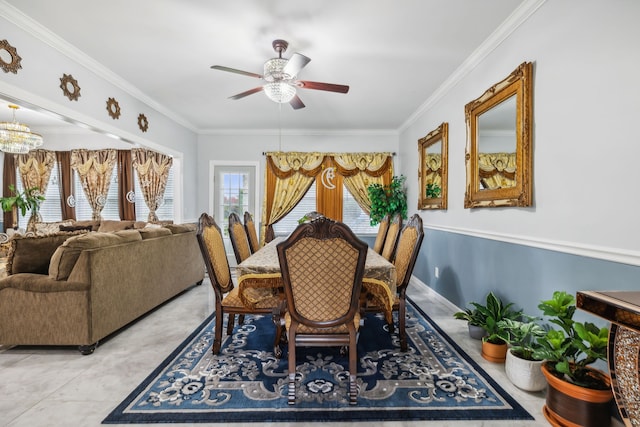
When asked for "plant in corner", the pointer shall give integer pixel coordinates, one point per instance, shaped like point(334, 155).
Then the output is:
point(29, 199)
point(569, 351)
point(388, 199)
point(523, 364)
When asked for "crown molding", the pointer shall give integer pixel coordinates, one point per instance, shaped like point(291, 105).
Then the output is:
point(519, 16)
point(34, 28)
point(302, 132)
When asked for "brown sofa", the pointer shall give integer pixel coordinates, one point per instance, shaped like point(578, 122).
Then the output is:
point(78, 287)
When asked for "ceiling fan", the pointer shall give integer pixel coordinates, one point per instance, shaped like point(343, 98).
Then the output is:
point(279, 78)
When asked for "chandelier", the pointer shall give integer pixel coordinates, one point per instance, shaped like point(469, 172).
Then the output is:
point(16, 137)
point(277, 88)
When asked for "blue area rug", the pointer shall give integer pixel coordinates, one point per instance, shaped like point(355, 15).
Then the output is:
point(434, 380)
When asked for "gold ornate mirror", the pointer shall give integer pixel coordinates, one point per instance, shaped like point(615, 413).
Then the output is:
point(498, 153)
point(432, 170)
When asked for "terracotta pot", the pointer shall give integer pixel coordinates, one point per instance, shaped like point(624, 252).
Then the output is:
point(476, 332)
point(569, 405)
point(524, 374)
point(496, 353)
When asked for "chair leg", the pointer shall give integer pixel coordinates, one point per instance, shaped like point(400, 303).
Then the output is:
point(402, 322)
point(353, 369)
point(231, 323)
point(217, 333)
point(292, 368)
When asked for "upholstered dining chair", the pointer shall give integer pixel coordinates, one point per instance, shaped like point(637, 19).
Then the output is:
point(391, 240)
point(322, 264)
point(407, 250)
point(383, 226)
point(227, 300)
point(239, 239)
point(252, 235)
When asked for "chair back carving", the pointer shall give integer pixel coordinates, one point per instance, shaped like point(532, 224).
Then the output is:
point(409, 244)
point(239, 239)
point(252, 235)
point(322, 265)
point(383, 226)
point(390, 242)
point(214, 255)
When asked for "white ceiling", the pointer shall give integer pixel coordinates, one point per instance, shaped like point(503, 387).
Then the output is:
point(394, 54)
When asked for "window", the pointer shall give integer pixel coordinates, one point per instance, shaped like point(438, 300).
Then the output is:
point(165, 208)
point(110, 210)
point(234, 190)
point(50, 208)
point(352, 214)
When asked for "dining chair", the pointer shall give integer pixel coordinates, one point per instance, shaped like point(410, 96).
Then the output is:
point(239, 239)
point(227, 299)
point(252, 235)
point(408, 247)
point(383, 226)
point(391, 240)
point(322, 264)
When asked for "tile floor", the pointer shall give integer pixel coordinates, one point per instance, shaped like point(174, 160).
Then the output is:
point(59, 387)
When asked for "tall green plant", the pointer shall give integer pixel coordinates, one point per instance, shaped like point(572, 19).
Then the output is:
point(28, 200)
point(573, 347)
point(388, 199)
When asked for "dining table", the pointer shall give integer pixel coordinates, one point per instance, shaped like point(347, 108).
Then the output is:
point(259, 276)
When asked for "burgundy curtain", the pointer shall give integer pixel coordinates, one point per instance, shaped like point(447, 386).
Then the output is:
point(65, 178)
point(10, 219)
point(126, 194)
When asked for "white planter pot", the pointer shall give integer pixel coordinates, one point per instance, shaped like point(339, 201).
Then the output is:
point(525, 374)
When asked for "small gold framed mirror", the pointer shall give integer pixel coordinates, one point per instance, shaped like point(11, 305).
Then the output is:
point(432, 170)
point(498, 153)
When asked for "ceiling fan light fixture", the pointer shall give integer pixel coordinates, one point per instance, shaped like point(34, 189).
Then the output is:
point(16, 137)
point(280, 92)
point(273, 70)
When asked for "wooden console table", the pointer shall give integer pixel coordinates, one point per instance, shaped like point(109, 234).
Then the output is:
point(622, 309)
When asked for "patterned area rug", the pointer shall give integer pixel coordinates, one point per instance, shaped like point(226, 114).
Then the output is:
point(434, 380)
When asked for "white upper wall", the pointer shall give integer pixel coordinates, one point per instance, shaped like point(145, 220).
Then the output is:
point(37, 84)
point(585, 138)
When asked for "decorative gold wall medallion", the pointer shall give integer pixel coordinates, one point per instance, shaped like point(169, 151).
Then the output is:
point(113, 108)
point(70, 87)
point(143, 123)
point(9, 58)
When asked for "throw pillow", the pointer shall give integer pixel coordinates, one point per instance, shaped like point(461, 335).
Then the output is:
point(109, 225)
point(75, 227)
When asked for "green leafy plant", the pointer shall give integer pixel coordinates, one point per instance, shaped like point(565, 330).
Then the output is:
point(523, 336)
point(494, 311)
point(27, 200)
point(472, 316)
point(388, 199)
point(433, 190)
point(574, 346)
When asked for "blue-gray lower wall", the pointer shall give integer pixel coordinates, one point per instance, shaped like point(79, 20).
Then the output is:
point(470, 267)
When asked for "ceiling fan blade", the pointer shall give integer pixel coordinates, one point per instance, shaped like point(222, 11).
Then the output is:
point(247, 93)
point(233, 70)
point(305, 84)
point(296, 63)
point(296, 102)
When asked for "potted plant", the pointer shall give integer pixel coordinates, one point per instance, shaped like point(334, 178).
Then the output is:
point(475, 320)
point(387, 199)
point(29, 199)
point(569, 351)
point(523, 364)
point(494, 345)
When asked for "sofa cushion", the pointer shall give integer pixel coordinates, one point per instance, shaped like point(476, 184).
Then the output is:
point(94, 224)
point(180, 228)
point(32, 254)
point(65, 257)
point(151, 232)
point(46, 228)
point(110, 225)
